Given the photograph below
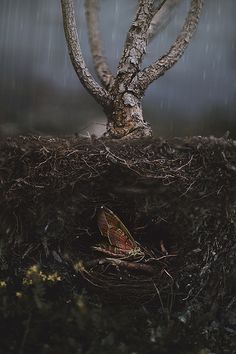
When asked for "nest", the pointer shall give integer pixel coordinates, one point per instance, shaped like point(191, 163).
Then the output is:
point(179, 191)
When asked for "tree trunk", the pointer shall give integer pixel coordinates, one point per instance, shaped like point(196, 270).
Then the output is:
point(125, 117)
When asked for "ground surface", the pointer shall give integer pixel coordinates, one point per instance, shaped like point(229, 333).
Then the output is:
point(181, 192)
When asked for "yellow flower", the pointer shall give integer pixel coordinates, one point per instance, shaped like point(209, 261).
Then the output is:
point(27, 281)
point(79, 266)
point(32, 270)
point(54, 277)
point(42, 276)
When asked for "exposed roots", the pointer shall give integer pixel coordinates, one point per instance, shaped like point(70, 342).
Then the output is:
point(176, 197)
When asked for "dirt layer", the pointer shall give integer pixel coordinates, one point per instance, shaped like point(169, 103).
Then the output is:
point(176, 197)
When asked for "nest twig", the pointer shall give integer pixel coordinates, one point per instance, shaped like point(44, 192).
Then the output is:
point(182, 191)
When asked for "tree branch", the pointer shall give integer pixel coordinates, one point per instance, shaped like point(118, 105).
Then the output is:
point(154, 71)
point(72, 38)
point(136, 41)
point(100, 63)
point(161, 18)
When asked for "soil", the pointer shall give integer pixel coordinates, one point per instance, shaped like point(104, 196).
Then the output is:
point(177, 199)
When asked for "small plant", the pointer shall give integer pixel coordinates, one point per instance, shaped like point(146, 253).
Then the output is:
point(120, 95)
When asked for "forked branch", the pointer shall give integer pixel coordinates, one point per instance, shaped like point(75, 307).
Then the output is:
point(136, 41)
point(154, 71)
point(72, 38)
point(121, 97)
point(100, 63)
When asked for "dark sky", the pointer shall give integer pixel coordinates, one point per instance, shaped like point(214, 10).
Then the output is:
point(40, 93)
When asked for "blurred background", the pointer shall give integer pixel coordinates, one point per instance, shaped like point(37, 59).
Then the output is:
point(41, 94)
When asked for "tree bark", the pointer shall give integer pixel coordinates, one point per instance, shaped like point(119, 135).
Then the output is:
point(122, 95)
point(72, 38)
point(125, 118)
point(154, 71)
point(100, 63)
